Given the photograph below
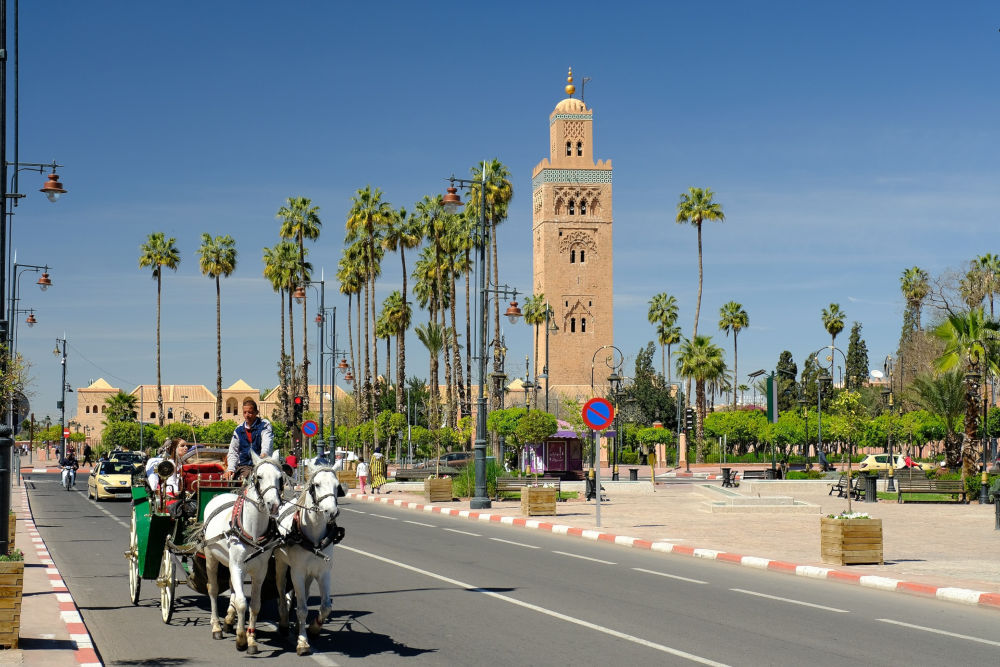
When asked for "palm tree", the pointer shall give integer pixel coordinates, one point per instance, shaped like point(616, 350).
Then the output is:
point(833, 322)
point(971, 344)
point(668, 335)
point(974, 285)
point(663, 313)
point(534, 315)
point(349, 270)
point(695, 207)
point(733, 318)
point(915, 284)
point(398, 315)
point(704, 362)
point(943, 395)
point(285, 266)
point(433, 338)
point(159, 252)
point(402, 234)
point(274, 272)
point(989, 266)
point(300, 221)
point(121, 407)
point(217, 259)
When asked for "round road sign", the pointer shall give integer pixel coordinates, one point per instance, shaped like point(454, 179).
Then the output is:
point(598, 413)
point(309, 428)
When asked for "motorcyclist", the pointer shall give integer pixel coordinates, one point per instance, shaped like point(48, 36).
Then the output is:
point(69, 464)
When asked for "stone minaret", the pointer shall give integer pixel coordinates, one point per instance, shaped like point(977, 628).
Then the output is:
point(573, 263)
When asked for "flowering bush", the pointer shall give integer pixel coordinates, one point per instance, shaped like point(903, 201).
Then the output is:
point(849, 515)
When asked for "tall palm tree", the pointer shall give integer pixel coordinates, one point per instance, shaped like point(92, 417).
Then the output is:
point(156, 253)
point(534, 315)
point(283, 266)
point(699, 359)
point(971, 343)
point(433, 338)
point(217, 259)
point(663, 313)
point(401, 233)
point(944, 395)
point(733, 318)
point(349, 269)
point(668, 335)
point(915, 284)
point(989, 267)
point(398, 316)
point(300, 221)
point(833, 322)
point(974, 285)
point(453, 242)
point(695, 207)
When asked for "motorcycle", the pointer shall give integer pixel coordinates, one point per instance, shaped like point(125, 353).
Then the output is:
point(68, 477)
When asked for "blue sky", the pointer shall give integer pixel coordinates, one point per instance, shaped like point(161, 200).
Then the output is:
point(845, 141)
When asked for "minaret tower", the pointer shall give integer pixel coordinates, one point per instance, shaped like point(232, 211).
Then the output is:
point(573, 263)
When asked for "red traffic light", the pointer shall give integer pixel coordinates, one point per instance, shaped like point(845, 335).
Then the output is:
point(298, 400)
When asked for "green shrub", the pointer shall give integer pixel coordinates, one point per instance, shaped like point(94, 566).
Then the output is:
point(806, 474)
point(464, 484)
point(630, 458)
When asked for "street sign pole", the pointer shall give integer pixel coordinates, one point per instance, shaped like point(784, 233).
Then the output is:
point(597, 477)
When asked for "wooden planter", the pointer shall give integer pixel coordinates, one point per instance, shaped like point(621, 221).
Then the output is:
point(851, 541)
point(11, 587)
point(348, 477)
point(438, 489)
point(538, 501)
point(11, 529)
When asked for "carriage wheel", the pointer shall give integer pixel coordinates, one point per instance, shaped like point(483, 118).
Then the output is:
point(167, 581)
point(134, 580)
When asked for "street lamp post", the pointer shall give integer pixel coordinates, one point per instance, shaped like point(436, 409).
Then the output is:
point(553, 328)
point(888, 368)
point(452, 202)
point(62, 403)
point(615, 383)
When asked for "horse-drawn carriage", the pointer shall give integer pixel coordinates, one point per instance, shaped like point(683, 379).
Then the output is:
point(218, 532)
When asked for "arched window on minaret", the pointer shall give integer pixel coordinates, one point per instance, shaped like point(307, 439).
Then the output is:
point(572, 207)
point(581, 255)
point(559, 208)
point(583, 207)
point(579, 148)
point(583, 325)
point(569, 148)
point(572, 256)
point(572, 325)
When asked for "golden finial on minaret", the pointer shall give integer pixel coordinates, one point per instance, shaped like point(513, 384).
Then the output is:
point(570, 88)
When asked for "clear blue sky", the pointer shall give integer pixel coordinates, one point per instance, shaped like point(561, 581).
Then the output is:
point(845, 141)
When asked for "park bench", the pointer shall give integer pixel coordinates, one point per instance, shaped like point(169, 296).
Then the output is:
point(413, 474)
point(515, 484)
point(922, 484)
point(857, 489)
point(754, 474)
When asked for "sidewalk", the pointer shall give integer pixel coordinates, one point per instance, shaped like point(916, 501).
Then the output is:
point(947, 550)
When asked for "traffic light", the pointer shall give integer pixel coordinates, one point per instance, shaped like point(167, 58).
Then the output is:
point(297, 409)
point(688, 418)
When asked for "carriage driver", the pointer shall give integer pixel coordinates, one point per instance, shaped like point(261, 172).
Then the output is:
point(255, 433)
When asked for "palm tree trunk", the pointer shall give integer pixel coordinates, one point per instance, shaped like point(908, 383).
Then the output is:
point(468, 332)
point(305, 325)
point(218, 350)
point(535, 353)
point(735, 366)
point(350, 350)
point(697, 306)
point(700, 421)
point(670, 362)
point(496, 321)
point(159, 384)
point(292, 381)
point(456, 347)
point(448, 379)
point(282, 369)
point(374, 323)
point(367, 384)
point(663, 363)
point(401, 341)
point(359, 381)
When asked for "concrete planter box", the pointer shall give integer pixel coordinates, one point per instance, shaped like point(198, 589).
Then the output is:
point(538, 501)
point(11, 588)
point(851, 541)
point(438, 490)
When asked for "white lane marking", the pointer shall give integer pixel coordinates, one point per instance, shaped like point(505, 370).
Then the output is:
point(462, 532)
point(516, 544)
point(670, 576)
point(939, 632)
point(348, 509)
point(542, 610)
point(789, 600)
point(596, 560)
point(417, 523)
point(115, 518)
point(324, 660)
point(383, 516)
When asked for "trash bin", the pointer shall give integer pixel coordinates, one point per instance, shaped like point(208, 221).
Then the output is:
point(772, 473)
point(633, 474)
point(871, 488)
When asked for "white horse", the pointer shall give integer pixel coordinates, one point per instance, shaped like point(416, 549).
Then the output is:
point(240, 533)
point(308, 526)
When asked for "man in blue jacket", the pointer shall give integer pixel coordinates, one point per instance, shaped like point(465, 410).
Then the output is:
point(253, 434)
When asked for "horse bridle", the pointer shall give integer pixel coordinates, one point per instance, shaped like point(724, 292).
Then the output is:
point(312, 489)
point(253, 479)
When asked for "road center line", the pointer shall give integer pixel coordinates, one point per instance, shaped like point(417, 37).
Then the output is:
point(595, 560)
point(939, 632)
point(115, 518)
point(383, 516)
point(516, 544)
point(542, 610)
point(462, 532)
point(348, 509)
point(670, 576)
point(417, 523)
point(789, 600)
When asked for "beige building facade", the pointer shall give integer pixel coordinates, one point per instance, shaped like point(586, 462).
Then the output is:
point(572, 247)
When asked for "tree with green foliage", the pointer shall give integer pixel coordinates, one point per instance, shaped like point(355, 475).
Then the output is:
point(833, 322)
point(943, 395)
point(663, 315)
point(121, 407)
point(300, 222)
point(857, 360)
point(847, 406)
point(157, 253)
point(788, 389)
point(696, 207)
point(648, 392)
point(702, 361)
point(732, 317)
point(217, 259)
point(535, 426)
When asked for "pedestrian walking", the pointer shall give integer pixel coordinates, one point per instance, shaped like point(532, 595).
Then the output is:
point(379, 470)
point(88, 455)
point(362, 474)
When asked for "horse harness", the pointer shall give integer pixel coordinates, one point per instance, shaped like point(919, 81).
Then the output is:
point(264, 542)
point(333, 535)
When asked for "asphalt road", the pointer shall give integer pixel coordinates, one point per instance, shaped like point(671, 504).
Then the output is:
point(448, 591)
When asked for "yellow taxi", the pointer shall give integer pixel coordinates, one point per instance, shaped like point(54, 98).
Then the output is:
point(110, 479)
point(881, 462)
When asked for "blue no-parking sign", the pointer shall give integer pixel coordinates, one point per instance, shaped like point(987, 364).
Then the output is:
point(598, 413)
point(309, 428)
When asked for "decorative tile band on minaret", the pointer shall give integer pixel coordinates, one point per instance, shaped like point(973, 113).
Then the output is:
point(572, 246)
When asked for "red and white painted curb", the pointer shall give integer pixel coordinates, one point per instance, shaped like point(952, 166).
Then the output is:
point(946, 593)
point(84, 652)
